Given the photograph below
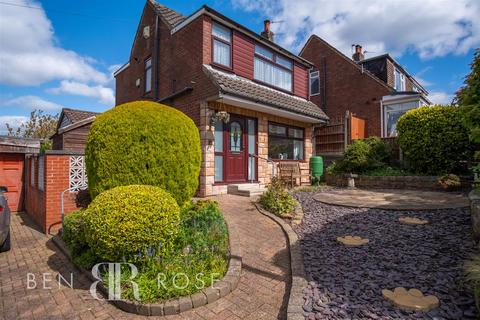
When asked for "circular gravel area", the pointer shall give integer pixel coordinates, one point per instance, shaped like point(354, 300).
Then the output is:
point(346, 282)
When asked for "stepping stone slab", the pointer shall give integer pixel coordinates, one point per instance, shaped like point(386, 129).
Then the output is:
point(411, 220)
point(411, 300)
point(353, 241)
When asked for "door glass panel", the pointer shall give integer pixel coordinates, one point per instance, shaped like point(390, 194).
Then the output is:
point(219, 136)
point(235, 137)
point(218, 168)
point(251, 149)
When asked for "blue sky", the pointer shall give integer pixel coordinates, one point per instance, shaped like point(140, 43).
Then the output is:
point(56, 54)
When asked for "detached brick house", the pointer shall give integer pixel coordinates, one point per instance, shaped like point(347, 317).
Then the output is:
point(206, 63)
point(377, 89)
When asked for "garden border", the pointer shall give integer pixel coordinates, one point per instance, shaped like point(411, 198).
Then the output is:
point(174, 306)
point(297, 268)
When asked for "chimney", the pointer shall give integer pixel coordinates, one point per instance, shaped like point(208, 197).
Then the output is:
point(266, 33)
point(358, 55)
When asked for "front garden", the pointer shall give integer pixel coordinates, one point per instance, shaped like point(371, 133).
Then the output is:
point(143, 161)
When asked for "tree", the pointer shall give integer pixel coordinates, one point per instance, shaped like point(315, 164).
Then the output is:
point(40, 126)
point(469, 93)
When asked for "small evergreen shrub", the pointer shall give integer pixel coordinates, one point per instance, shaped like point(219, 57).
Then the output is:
point(276, 199)
point(434, 139)
point(362, 156)
point(125, 221)
point(73, 232)
point(144, 143)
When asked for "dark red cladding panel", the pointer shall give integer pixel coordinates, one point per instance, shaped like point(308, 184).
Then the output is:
point(300, 80)
point(243, 51)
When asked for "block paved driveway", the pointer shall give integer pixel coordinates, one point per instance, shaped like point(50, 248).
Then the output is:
point(261, 294)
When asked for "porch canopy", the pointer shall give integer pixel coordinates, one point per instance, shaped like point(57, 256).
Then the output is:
point(245, 93)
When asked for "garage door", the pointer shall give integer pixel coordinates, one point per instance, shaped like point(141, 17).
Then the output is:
point(11, 170)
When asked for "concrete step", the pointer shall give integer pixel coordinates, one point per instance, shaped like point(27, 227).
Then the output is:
point(246, 189)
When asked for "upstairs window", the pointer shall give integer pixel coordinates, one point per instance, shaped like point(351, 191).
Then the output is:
point(399, 79)
point(222, 45)
point(272, 69)
point(314, 83)
point(148, 75)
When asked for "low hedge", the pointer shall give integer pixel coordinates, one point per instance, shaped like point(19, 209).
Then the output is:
point(126, 221)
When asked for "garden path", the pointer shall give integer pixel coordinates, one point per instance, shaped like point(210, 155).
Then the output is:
point(261, 294)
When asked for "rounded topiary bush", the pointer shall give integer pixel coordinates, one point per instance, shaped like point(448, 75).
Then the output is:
point(125, 221)
point(434, 139)
point(145, 143)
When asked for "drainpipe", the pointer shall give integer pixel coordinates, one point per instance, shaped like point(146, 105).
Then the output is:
point(157, 56)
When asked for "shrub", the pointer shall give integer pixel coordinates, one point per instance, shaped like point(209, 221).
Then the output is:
point(434, 139)
point(73, 233)
point(363, 155)
point(125, 221)
point(144, 143)
point(200, 253)
point(276, 199)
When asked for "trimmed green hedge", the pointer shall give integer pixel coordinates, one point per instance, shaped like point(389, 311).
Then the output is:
point(146, 143)
point(129, 220)
point(434, 139)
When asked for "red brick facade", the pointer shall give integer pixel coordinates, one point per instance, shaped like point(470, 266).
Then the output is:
point(44, 204)
point(344, 86)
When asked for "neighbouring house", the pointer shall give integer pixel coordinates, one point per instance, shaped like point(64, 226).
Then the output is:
point(377, 90)
point(13, 151)
point(72, 129)
point(206, 63)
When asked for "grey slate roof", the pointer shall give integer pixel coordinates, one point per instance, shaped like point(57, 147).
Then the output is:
point(170, 16)
point(242, 87)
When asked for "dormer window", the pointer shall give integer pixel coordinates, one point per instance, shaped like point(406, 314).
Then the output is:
point(399, 79)
point(222, 45)
point(272, 69)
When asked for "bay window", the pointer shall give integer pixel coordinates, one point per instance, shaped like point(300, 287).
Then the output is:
point(272, 69)
point(393, 112)
point(285, 142)
point(222, 44)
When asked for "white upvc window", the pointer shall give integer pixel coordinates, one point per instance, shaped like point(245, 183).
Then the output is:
point(148, 75)
point(272, 69)
point(222, 45)
point(399, 79)
point(393, 112)
point(314, 83)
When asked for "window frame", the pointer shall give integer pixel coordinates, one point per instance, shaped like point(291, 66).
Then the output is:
point(402, 84)
point(147, 69)
point(230, 44)
point(276, 64)
point(286, 136)
point(310, 83)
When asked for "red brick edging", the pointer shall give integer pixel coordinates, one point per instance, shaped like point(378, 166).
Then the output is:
point(299, 278)
point(177, 305)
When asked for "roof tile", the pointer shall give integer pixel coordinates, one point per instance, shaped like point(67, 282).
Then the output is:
point(236, 85)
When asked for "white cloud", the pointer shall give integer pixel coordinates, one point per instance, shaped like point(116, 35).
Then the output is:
point(438, 97)
point(28, 52)
point(32, 102)
point(13, 121)
point(429, 28)
point(102, 94)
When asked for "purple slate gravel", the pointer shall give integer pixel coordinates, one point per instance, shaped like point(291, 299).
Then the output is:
point(346, 282)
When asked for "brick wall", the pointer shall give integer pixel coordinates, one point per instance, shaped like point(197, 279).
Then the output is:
point(44, 206)
point(344, 86)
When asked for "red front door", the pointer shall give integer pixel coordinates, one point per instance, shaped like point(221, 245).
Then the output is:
point(236, 150)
